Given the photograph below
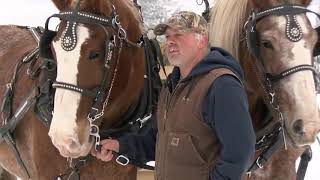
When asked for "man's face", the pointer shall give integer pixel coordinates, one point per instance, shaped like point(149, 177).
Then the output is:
point(181, 48)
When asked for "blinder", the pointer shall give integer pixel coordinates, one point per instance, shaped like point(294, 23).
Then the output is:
point(44, 44)
point(293, 33)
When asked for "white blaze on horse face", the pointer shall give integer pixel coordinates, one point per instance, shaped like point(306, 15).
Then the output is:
point(63, 129)
point(299, 88)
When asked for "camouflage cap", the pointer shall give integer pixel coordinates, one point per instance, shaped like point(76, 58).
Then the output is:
point(185, 21)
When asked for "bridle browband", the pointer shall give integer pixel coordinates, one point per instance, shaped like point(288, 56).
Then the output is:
point(293, 33)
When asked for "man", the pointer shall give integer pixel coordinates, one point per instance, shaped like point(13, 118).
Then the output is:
point(204, 129)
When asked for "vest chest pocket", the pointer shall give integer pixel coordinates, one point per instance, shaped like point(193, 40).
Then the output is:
point(183, 161)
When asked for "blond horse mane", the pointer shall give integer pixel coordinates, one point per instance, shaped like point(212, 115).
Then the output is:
point(226, 22)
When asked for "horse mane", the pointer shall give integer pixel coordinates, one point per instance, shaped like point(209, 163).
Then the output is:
point(136, 12)
point(227, 18)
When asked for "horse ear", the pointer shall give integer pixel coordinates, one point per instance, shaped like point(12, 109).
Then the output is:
point(62, 4)
point(256, 4)
point(306, 2)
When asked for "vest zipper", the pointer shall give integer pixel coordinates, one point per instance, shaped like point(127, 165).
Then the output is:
point(167, 106)
point(168, 103)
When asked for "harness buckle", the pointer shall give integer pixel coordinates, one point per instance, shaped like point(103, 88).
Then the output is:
point(116, 21)
point(122, 160)
point(249, 21)
point(249, 173)
point(258, 163)
point(122, 34)
point(94, 131)
point(144, 120)
point(9, 86)
point(92, 114)
point(261, 140)
point(271, 95)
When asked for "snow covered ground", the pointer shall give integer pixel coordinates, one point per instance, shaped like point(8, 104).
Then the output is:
point(35, 12)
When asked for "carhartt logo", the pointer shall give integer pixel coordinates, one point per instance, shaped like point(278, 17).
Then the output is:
point(175, 141)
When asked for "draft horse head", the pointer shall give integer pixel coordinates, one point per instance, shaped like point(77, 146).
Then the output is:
point(274, 42)
point(281, 39)
point(99, 70)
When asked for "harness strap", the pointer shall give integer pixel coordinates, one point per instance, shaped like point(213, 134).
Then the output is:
point(10, 121)
point(73, 172)
point(268, 138)
point(132, 126)
point(7, 129)
point(266, 153)
point(156, 45)
point(6, 106)
point(149, 56)
point(23, 109)
point(140, 113)
point(304, 162)
point(206, 12)
point(12, 144)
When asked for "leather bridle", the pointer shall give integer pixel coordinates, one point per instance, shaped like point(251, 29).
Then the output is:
point(293, 33)
point(114, 41)
point(272, 140)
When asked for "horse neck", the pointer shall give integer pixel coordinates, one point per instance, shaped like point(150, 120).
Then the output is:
point(129, 83)
point(254, 88)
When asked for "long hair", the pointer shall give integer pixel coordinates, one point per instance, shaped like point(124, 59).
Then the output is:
point(226, 22)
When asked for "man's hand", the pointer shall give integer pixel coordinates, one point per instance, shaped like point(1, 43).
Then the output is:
point(107, 147)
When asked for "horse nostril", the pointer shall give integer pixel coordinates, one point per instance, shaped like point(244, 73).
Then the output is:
point(298, 127)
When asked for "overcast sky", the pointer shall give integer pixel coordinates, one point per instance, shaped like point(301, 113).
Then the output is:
point(35, 12)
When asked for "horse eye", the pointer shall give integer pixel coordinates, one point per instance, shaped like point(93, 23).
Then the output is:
point(93, 55)
point(267, 44)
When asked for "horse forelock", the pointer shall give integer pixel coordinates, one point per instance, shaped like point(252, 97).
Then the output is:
point(225, 24)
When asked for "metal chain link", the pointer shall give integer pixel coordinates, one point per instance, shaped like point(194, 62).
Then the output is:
point(276, 107)
point(94, 129)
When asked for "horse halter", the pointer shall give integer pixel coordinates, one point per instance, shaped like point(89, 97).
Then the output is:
point(69, 42)
point(293, 33)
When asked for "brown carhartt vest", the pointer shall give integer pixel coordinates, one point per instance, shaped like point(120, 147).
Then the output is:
point(186, 146)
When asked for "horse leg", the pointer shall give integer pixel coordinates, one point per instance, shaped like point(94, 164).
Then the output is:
point(5, 175)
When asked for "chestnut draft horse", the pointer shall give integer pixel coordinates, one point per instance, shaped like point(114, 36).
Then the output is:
point(274, 42)
point(95, 66)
